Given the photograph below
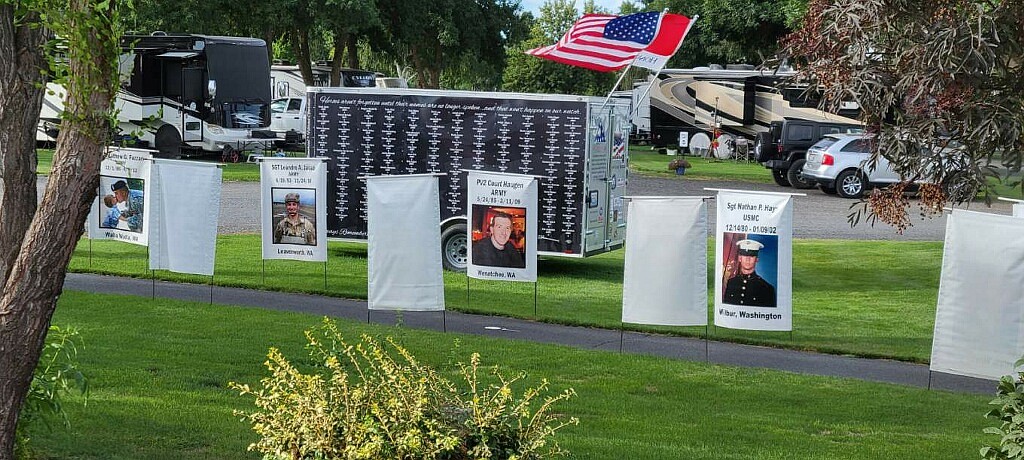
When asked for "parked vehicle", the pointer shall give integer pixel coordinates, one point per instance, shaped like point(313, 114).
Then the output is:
point(286, 80)
point(286, 119)
point(185, 94)
point(783, 148)
point(577, 146)
point(839, 164)
point(736, 102)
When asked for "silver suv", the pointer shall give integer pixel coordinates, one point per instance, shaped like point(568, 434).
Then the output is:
point(838, 164)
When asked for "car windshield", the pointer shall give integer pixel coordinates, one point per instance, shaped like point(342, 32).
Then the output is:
point(278, 106)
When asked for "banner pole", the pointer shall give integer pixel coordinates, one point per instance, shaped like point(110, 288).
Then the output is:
point(467, 290)
point(211, 289)
point(325, 276)
point(535, 299)
point(153, 277)
point(622, 333)
point(444, 321)
point(90, 252)
point(929, 379)
point(707, 345)
point(263, 279)
point(367, 315)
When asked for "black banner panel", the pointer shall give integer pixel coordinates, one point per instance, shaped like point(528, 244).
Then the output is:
point(369, 134)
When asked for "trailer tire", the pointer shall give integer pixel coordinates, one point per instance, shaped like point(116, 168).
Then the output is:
point(455, 248)
point(168, 141)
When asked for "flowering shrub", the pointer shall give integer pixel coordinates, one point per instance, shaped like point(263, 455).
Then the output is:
point(372, 400)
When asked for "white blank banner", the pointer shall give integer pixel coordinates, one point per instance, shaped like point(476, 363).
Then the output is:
point(185, 208)
point(404, 236)
point(665, 281)
point(1018, 210)
point(978, 320)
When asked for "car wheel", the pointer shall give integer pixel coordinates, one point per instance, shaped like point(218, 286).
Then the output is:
point(780, 177)
point(455, 248)
point(850, 184)
point(794, 175)
point(828, 190)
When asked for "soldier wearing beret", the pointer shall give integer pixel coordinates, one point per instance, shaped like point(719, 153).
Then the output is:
point(294, 228)
point(133, 203)
point(747, 287)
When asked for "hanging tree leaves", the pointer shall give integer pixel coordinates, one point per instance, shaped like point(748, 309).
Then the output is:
point(937, 82)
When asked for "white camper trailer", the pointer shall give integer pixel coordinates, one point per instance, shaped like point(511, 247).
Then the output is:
point(185, 94)
point(576, 145)
point(739, 101)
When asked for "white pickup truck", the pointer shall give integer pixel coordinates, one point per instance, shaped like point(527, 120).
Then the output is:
point(286, 116)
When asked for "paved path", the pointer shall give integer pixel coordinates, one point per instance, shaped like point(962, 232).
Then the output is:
point(689, 349)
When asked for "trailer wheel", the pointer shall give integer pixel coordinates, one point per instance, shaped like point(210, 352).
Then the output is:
point(455, 248)
point(168, 141)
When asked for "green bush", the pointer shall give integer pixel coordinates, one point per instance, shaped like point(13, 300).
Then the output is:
point(372, 401)
point(56, 375)
point(1009, 410)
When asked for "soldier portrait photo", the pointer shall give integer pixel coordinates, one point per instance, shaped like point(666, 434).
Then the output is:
point(294, 216)
point(751, 269)
point(122, 203)
point(499, 236)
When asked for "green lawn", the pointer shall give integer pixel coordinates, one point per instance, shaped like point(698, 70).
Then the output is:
point(158, 371)
point(868, 298)
point(647, 162)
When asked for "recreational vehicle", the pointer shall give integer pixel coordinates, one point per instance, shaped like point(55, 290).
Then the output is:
point(185, 94)
point(738, 101)
point(576, 146)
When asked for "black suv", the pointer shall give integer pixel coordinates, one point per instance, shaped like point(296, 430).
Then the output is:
point(783, 147)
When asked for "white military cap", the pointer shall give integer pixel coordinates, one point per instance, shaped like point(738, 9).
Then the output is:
point(749, 247)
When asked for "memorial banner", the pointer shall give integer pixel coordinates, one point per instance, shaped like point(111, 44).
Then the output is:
point(121, 209)
point(1018, 210)
point(754, 261)
point(979, 317)
point(185, 208)
point(293, 208)
point(502, 226)
point(404, 270)
point(665, 280)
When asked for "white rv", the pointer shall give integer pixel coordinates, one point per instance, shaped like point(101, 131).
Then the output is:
point(739, 101)
point(185, 94)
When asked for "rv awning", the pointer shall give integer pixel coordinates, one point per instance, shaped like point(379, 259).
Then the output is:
point(178, 55)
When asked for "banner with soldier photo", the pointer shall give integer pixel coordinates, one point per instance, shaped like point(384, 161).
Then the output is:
point(121, 209)
point(502, 226)
point(293, 208)
point(754, 261)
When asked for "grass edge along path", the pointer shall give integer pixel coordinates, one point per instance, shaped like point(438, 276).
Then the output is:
point(159, 369)
point(872, 299)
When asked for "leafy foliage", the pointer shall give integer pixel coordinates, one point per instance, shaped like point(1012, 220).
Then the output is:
point(1009, 411)
point(371, 400)
point(937, 82)
point(56, 375)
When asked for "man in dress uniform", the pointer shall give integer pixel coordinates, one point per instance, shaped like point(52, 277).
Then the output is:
point(294, 228)
point(747, 287)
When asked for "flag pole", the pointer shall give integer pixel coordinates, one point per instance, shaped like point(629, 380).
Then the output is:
point(636, 110)
point(617, 83)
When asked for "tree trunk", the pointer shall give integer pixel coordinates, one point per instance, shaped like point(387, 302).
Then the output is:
point(36, 278)
point(339, 53)
point(353, 51)
point(300, 46)
point(21, 96)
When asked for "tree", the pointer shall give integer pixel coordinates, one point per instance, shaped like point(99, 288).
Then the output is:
point(937, 82)
point(530, 74)
point(36, 248)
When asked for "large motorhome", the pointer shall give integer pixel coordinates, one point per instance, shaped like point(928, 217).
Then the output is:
point(286, 80)
point(185, 94)
point(738, 100)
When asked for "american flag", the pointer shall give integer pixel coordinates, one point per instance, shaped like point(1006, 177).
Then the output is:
point(607, 43)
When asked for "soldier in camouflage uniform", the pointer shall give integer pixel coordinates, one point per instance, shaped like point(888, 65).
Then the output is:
point(294, 228)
